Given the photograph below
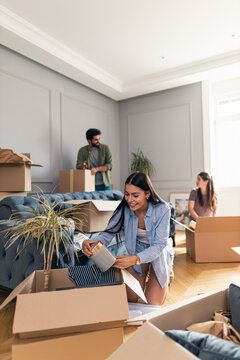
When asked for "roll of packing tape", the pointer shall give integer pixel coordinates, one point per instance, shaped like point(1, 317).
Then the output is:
point(102, 257)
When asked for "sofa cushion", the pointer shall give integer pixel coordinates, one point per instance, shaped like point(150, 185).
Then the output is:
point(234, 298)
point(205, 346)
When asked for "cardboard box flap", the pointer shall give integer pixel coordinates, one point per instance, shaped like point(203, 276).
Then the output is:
point(183, 225)
point(76, 202)
point(134, 284)
point(19, 164)
point(24, 287)
point(150, 343)
point(218, 224)
point(73, 310)
point(236, 249)
point(11, 156)
point(100, 205)
point(219, 298)
point(106, 205)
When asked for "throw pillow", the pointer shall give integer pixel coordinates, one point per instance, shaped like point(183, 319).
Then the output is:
point(234, 297)
point(205, 346)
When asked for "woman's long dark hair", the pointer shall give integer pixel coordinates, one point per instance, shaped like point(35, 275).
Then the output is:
point(143, 182)
point(211, 193)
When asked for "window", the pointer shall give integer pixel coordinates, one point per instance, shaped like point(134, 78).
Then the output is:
point(227, 141)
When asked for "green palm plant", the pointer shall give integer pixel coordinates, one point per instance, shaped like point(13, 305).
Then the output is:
point(140, 162)
point(44, 226)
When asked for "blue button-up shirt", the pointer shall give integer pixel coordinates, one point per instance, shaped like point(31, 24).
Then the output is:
point(157, 221)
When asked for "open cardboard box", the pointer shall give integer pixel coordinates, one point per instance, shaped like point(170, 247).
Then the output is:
point(213, 239)
point(150, 341)
point(95, 213)
point(76, 181)
point(58, 312)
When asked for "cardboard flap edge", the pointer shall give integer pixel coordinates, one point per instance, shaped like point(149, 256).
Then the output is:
point(18, 290)
point(134, 284)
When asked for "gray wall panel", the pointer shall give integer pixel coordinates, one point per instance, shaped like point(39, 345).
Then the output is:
point(26, 120)
point(167, 127)
point(47, 115)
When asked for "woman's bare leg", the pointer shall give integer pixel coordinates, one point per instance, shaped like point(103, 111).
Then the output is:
point(155, 294)
point(132, 297)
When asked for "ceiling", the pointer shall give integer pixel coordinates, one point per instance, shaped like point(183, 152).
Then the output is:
point(126, 48)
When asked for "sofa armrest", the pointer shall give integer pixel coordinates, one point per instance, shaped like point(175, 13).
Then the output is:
point(16, 265)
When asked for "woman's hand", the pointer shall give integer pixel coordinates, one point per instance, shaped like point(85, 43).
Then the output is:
point(86, 248)
point(125, 261)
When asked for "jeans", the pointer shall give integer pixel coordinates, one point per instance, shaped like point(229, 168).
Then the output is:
point(101, 187)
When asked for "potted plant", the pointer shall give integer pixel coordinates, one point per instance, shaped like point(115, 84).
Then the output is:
point(47, 227)
point(140, 162)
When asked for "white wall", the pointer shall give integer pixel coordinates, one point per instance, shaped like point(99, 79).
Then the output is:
point(47, 115)
point(167, 127)
point(229, 198)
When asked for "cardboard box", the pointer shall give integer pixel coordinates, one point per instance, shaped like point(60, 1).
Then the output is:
point(15, 171)
point(194, 310)
point(213, 239)
point(150, 343)
point(94, 213)
point(74, 310)
point(12, 193)
point(76, 181)
point(16, 177)
point(92, 345)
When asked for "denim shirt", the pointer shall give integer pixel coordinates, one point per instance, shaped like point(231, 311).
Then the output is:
point(157, 221)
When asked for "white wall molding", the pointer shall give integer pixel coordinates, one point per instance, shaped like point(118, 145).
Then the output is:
point(30, 41)
point(175, 180)
point(23, 29)
point(78, 100)
point(206, 125)
point(28, 122)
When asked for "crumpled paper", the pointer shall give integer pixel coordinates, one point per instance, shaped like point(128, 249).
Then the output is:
point(220, 326)
point(9, 156)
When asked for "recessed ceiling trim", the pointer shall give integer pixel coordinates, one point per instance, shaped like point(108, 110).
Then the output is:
point(28, 40)
point(34, 35)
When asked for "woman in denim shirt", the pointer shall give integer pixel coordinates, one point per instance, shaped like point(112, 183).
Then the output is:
point(144, 217)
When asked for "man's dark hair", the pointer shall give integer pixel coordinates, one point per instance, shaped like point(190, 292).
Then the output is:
point(91, 133)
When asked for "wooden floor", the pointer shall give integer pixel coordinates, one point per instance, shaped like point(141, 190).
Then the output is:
point(190, 279)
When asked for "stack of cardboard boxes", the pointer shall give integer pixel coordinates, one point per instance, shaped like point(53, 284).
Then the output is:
point(15, 173)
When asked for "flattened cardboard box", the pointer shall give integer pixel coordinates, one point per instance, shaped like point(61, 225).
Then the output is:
point(76, 181)
point(16, 177)
point(95, 213)
point(213, 239)
point(54, 312)
point(91, 345)
point(150, 343)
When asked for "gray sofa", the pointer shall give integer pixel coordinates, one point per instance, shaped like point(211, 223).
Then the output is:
point(14, 269)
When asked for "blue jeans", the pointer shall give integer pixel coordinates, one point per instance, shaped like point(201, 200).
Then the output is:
point(102, 187)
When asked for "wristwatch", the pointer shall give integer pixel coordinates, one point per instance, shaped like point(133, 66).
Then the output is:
point(138, 260)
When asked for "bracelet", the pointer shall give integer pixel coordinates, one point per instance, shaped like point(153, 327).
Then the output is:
point(138, 260)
